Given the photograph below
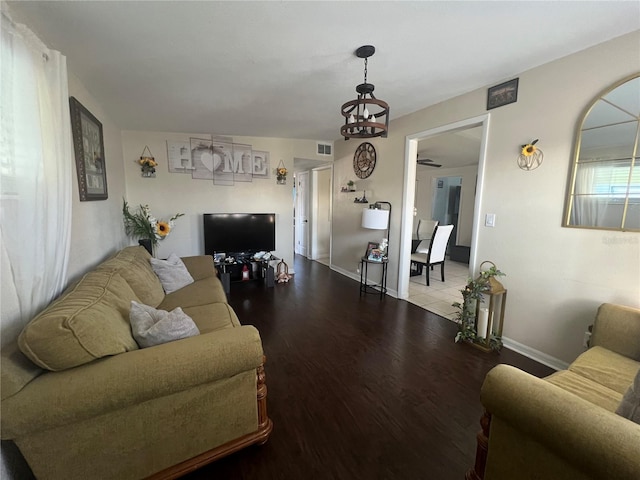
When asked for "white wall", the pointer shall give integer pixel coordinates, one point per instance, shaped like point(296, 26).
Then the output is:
point(556, 277)
point(97, 230)
point(170, 193)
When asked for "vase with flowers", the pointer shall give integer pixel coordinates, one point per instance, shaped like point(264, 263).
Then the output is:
point(281, 174)
point(148, 166)
point(142, 225)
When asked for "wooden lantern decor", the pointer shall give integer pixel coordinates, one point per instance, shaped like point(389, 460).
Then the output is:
point(489, 318)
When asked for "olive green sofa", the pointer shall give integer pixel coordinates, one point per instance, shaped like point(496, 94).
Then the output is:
point(82, 401)
point(564, 426)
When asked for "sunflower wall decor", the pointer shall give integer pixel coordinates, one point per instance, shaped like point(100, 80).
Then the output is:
point(530, 156)
point(147, 163)
point(281, 174)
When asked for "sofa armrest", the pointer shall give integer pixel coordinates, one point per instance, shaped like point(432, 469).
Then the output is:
point(590, 438)
point(617, 328)
point(200, 266)
point(112, 383)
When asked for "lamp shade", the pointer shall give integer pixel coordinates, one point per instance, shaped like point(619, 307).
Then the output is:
point(374, 218)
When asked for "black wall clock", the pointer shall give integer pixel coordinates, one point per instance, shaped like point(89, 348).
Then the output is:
point(364, 160)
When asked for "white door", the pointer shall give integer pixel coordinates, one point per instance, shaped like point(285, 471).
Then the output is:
point(302, 213)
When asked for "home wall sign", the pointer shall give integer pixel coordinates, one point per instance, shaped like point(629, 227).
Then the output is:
point(217, 159)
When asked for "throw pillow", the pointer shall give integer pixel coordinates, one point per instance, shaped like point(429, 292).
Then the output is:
point(172, 272)
point(630, 405)
point(152, 327)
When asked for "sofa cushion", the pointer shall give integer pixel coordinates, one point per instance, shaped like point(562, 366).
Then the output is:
point(617, 328)
point(630, 405)
point(154, 327)
point(607, 368)
point(89, 321)
point(172, 272)
point(201, 292)
point(586, 389)
point(132, 263)
point(212, 317)
point(17, 370)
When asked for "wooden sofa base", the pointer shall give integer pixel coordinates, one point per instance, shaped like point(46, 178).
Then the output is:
point(482, 450)
point(259, 437)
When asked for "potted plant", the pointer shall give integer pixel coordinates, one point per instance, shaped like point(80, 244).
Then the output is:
point(466, 315)
point(352, 185)
point(142, 225)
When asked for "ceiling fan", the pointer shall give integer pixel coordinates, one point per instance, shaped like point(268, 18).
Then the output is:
point(427, 162)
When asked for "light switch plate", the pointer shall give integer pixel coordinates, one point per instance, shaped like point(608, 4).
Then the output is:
point(490, 220)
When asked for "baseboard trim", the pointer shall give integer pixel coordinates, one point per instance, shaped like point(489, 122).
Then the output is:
point(534, 354)
point(356, 277)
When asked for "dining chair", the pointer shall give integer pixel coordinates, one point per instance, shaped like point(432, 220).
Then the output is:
point(424, 232)
point(435, 254)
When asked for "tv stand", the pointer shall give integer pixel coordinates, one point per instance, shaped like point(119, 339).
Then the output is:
point(231, 272)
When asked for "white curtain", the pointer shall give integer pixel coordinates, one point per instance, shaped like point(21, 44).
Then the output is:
point(35, 175)
point(588, 209)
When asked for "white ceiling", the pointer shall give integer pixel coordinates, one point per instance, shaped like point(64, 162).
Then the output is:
point(452, 149)
point(283, 69)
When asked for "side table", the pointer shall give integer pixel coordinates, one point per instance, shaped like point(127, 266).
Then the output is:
point(365, 287)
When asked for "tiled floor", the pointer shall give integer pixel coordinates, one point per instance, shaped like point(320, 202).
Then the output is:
point(439, 296)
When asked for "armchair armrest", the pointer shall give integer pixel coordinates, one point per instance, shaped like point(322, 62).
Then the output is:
point(591, 439)
point(617, 328)
point(130, 378)
point(200, 266)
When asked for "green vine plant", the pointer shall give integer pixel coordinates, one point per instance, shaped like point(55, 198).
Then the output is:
point(466, 315)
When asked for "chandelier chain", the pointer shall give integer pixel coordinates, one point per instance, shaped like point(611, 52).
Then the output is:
point(365, 69)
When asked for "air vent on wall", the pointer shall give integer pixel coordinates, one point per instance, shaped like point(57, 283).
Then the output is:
point(325, 149)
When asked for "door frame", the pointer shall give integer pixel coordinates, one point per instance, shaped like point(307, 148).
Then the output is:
point(315, 213)
point(408, 200)
point(302, 200)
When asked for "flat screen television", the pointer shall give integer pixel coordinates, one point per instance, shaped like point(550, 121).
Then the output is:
point(239, 232)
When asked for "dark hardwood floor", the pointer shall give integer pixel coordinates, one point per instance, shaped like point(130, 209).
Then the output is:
point(359, 387)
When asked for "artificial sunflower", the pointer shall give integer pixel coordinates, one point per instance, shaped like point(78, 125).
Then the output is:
point(143, 225)
point(529, 149)
point(148, 161)
point(163, 229)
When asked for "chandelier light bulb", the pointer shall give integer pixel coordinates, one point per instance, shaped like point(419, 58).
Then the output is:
point(373, 118)
point(366, 113)
point(352, 119)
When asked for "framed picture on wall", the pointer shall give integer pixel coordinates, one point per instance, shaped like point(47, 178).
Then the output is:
point(88, 146)
point(502, 94)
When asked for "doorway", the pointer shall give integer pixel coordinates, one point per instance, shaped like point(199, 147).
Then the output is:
point(301, 219)
point(410, 194)
point(312, 209)
point(445, 204)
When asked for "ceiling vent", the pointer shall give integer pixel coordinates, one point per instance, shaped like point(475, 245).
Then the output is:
point(324, 149)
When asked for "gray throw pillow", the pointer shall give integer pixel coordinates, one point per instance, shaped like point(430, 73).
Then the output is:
point(630, 405)
point(172, 272)
point(152, 327)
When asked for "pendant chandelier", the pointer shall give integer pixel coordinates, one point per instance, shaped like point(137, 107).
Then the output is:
point(366, 116)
